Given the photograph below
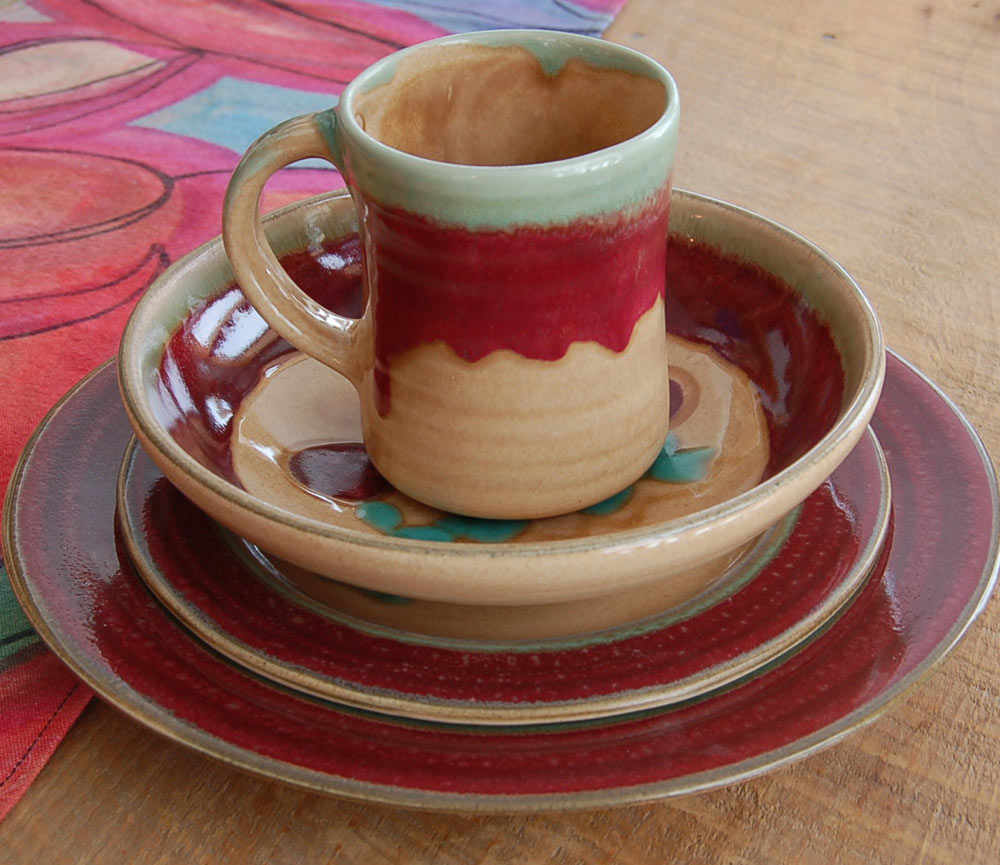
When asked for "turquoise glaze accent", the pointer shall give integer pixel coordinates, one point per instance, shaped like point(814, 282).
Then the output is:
point(379, 515)
point(622, 178)
point(388, 519)
point(674, 465)
point(386, 598)
point(423, 533)
point(475, 529)
point(610, 505)
point(678, 465)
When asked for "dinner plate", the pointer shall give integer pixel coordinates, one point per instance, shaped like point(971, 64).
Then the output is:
point(935, 577)
point(402, 657)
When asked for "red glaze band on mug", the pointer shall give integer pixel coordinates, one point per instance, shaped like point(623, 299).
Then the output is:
point(532, 290)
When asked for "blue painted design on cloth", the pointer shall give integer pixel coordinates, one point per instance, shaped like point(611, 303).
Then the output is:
point(233, 113)
point(462, 17)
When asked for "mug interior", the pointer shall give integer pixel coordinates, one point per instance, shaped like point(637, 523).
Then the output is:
point(475, 104)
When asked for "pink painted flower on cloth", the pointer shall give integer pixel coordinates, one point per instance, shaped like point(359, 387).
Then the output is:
point(121, 121)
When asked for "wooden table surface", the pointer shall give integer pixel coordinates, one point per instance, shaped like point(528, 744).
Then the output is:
point(872, 128)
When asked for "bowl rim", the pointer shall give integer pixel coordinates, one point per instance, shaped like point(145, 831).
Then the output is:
point(135, 347)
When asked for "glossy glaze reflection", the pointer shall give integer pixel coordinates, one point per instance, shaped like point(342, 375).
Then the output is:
point(223, 347)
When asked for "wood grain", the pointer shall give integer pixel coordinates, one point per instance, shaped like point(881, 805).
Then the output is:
point(874, 130)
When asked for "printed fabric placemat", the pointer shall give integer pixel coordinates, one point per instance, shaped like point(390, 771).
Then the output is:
point(120, 122)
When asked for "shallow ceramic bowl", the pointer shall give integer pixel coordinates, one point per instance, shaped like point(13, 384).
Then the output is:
point(760, 296)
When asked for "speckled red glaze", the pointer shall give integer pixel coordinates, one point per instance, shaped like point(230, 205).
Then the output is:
point(749, 316)
point(61, 548)
point(836, 523)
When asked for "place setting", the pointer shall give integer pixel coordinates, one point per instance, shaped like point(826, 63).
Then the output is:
point(514, 478)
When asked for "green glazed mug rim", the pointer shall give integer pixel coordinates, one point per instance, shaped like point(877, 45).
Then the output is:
point(598, 52)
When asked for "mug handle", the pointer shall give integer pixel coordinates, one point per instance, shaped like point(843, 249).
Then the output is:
point(330, 338)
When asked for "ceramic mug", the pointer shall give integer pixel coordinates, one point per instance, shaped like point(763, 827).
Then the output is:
point(512, 190)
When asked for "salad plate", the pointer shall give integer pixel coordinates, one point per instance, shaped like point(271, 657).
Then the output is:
point(512, 665)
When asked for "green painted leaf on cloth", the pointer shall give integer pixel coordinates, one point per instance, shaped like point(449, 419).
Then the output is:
point(16, 632)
